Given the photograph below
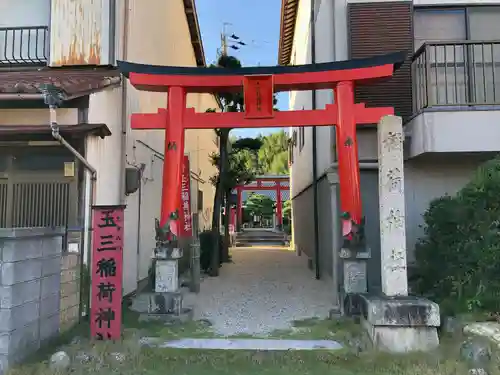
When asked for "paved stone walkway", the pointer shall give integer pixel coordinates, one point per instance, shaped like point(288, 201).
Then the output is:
point(241, 344)
point(262, 291)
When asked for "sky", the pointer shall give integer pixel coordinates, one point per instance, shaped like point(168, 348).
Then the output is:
point(256, 23)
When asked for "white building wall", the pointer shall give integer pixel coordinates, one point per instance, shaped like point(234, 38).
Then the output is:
point(165, 20)
point(301, 54)
point(105, 155)
point(325, 136)
point(426, 179)
point(326, 51)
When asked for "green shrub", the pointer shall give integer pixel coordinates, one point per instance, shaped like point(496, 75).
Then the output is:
point(458, 258)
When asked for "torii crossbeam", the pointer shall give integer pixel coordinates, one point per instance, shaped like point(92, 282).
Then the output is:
point(259, 85)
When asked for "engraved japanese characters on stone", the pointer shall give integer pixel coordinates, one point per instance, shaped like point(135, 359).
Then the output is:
point(355, 277)
point(394, 219)
point(393, 141)
point(394, 180)
point(397, 255)
point(396, 267)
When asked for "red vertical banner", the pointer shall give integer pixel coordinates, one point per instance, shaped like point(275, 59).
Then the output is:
point(107, 273)
point(185, 216)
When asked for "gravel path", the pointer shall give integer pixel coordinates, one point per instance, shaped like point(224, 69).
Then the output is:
point(264, 290)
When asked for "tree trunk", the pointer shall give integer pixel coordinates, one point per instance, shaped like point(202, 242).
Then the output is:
point(224, 162)
point(227, 220)
point(215, 260)
point(217, 204)
point(218, 201)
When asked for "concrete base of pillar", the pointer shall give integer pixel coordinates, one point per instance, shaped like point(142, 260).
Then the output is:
point(167, 307)
point(400, 324)
point(185, 316)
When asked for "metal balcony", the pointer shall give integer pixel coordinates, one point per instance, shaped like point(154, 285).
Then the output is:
point(456, 74)
point(24, 46)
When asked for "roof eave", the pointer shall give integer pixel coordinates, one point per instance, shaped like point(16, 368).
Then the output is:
point(194, 31)
point(287, 30)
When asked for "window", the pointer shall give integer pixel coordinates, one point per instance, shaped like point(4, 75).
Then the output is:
point(453, 70)
point(476, 23)
point(438, 25)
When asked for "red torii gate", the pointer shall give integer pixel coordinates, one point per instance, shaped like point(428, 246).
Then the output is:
point(259, 85)
point(263, 183)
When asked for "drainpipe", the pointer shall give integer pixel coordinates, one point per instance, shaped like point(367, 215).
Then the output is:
point(53, 97)
point(126, 22)
point(314, 152)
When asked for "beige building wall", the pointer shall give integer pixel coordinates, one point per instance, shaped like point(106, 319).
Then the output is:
point(149, 32)
point(66, 116)
point(158, 34)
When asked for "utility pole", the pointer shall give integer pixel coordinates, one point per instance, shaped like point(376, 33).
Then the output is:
point(223, 38)
point(229, 41)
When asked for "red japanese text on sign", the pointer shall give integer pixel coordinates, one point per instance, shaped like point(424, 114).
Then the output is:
point(259, 96)
point(186, 226)
point(107, 272)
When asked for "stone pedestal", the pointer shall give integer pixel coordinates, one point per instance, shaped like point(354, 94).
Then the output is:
point(355, 276)
point(396, 322)
point(400, 324)
point(166, 302)
point(355, 279)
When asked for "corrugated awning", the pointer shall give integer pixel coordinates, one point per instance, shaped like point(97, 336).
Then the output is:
point(74, 82)
point(77, 130)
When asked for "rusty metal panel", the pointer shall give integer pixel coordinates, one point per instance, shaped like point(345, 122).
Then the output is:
point(82, 32)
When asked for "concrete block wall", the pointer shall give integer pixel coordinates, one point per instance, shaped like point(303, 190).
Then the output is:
point(30, 280)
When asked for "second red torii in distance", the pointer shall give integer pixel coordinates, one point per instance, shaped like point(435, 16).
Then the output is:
point(259, 85)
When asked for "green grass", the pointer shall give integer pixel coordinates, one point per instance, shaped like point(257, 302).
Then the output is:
point(212, 362)
point(150, 361)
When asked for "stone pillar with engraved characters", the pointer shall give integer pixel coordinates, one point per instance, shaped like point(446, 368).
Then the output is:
point(392, 207)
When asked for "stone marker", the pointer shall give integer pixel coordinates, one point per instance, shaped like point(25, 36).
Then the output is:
point(165, 303)
point(167, 276)
point(395, 321)
point(392, 207)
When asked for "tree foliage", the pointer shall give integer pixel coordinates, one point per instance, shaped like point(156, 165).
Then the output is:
point(238, 172)
point(273, 155)
point(458, 258)
point(259, 205)
point(287, 209)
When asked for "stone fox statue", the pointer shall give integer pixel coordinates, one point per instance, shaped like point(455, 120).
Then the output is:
point(353, 234)
point(167, 233)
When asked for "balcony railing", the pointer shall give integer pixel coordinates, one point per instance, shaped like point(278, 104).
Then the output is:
point(24, 45)
point(463, 73)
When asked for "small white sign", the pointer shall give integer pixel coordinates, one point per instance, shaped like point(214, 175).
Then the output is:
point(73, 248)
point(167, 278)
